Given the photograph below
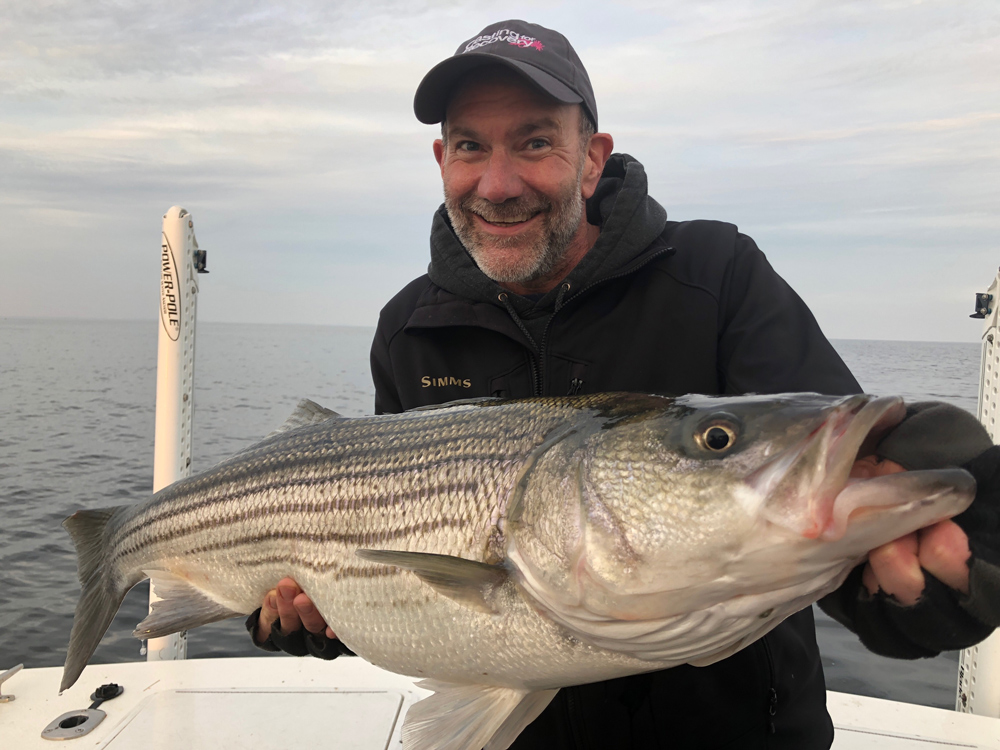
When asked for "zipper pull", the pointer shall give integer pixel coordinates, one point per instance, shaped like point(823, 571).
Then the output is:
point(574, 387)
point(563, 289)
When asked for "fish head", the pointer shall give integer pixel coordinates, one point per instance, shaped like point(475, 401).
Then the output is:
point(701, 500)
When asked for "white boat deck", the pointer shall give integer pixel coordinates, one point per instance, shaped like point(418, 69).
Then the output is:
point(284, 702)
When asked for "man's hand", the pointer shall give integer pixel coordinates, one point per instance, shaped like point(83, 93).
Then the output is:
point(937, 589)
point(941, 549)
point(294, 609)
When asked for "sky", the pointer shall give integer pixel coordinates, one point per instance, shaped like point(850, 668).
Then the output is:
point(857, 142)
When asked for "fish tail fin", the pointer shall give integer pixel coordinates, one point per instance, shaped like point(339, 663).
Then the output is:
point(102, 591)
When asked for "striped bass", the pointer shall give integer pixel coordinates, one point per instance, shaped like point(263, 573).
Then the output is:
point(504, 549)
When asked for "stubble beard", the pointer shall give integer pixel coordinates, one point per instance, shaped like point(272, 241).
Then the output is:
point(535, 255)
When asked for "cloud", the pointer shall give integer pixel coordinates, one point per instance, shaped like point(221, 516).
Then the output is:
point(851, 139)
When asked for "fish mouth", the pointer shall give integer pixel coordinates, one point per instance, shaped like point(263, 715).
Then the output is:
point(803, 485)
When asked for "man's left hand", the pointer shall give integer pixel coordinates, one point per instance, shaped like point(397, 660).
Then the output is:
point(895, 568)
point(937, 589)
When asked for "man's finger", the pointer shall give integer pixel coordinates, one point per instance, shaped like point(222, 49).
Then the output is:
point(897, 569)
point(872, 466)
point(268, 614)
point(311, 619)
point(869, 580)
point(287, 592)
point(944, 553)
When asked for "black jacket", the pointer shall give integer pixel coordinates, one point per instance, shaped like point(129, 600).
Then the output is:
point(656, 307)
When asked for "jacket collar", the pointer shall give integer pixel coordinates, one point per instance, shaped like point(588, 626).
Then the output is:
point(461, 295)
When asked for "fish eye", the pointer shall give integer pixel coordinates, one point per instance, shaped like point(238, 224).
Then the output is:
point(718, 436)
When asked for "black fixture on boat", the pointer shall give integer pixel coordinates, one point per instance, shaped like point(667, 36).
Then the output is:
point(73, 724)
point(983, 305)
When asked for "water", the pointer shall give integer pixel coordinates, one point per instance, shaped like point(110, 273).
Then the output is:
point(76, 431)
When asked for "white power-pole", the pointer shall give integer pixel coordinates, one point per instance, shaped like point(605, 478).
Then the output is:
point(180, 263)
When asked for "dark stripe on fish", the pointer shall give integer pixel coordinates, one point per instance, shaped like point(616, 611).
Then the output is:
point(199, 492)
point(295, 449)
point(139, 524)
point(364, 538)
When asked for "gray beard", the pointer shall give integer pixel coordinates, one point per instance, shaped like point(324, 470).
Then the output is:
point(539, 258)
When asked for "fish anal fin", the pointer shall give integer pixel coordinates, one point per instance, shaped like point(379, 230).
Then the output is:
point(459, 717)
point(181, 607)
point(470, 583)
point(526, 712)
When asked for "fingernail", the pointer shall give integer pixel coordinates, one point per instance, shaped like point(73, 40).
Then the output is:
point(306, 609)
point(272, 602)
point(286, 593)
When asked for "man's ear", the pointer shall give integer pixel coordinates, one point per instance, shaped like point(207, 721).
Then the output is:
point(439, 154)
point(598, 152)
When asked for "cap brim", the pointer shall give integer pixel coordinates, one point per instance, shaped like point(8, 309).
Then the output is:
point(431, 99)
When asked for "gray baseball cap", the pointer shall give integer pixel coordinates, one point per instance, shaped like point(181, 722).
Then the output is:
point(542, 56)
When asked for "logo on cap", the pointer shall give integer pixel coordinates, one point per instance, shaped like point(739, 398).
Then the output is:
point(504, 35)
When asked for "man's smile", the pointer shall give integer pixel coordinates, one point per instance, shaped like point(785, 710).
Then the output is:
point(505, 226)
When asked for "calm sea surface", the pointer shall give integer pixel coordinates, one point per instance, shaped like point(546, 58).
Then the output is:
point(76, 431)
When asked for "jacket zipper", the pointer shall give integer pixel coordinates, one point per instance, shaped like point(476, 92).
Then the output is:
point(573, 720)
point(537, 361)
point(772, 695)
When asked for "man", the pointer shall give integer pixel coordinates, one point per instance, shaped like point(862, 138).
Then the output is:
point(553, 273)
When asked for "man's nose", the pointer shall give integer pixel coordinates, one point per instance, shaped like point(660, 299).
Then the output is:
point(500, 181)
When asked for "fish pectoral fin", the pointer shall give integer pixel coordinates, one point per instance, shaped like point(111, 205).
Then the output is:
point(473, 584)
point(459, 717)
point(181, 607)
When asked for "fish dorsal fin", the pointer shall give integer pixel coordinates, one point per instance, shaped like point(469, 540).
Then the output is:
point(459, 717)
point(473, 584)
point(307, 412)
point(181, 607)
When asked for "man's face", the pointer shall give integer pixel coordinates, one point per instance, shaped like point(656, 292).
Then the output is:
point(512, 166)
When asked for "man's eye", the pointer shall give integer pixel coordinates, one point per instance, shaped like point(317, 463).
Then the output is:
point(537, 143)
point(468, 146)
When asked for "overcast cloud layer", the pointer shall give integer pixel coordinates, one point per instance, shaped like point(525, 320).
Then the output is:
point(857, 142)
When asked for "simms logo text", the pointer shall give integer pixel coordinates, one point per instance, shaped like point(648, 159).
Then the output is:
point(428, 382)
point(170, 293)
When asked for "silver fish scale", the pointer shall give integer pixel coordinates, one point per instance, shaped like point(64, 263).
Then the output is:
point(435, 480)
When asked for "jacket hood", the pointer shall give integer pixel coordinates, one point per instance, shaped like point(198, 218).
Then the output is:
point(629, 219)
